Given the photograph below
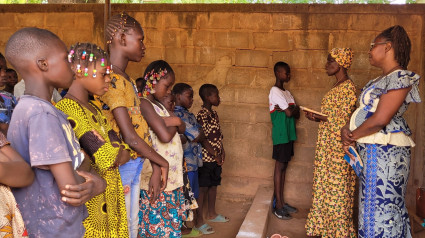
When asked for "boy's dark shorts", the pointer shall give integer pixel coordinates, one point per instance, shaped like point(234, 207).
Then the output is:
point(209, 174)
point(283, 152)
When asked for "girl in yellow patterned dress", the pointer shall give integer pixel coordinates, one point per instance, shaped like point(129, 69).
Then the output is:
point(107, 213)
point(331, 214)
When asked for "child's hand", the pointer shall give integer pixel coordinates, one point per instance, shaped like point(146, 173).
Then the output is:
point(158, 181)
point(77, 195)
point(277, 108)
point(122, 158)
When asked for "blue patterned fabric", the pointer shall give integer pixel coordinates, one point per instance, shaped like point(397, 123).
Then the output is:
point(396, 80)
point(6, 106)
point(192, 150)
point(383, 184)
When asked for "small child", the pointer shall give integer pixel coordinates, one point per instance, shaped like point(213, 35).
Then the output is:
point(283, 112)
point(11, 80)
point(213, 156)
point(107, 214)
point(53, 205)
point(7, 100)
point(192, 137)
point(164, 216)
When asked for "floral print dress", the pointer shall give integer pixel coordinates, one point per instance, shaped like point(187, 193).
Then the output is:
point(331, 214)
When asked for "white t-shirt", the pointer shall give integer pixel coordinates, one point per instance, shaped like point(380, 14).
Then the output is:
point(279, 97)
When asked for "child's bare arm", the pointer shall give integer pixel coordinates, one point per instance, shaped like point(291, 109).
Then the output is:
point(14, 171)
point(139, 145)
point(157, 123)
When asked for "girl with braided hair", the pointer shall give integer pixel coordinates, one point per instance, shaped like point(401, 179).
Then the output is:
point(121, 105)
point(107, 214)
point(383, 137)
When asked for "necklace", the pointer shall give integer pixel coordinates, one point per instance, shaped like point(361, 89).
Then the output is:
point(392, 70)
point(340, 81)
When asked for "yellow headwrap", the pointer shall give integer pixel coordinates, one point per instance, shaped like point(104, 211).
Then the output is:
point(343, 56)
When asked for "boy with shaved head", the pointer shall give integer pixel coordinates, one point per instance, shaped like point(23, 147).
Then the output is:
point(53, 206)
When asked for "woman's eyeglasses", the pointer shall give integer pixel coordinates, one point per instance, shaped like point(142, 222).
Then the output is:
point(373, 44)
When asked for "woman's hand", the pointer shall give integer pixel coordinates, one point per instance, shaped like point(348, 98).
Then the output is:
point(346, 136)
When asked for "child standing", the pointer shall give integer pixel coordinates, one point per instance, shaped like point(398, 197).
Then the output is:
point(7, 100)
point(44, 138)
point(193, 135)
point(213, 156)
point(107, 214)
point(163, 217)
point(283, 112)
point(121, 106)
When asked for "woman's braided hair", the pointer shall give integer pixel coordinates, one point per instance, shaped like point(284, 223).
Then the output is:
point(400, 41)
point(119, 23)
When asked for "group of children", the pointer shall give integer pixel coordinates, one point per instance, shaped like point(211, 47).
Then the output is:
point(114, 157)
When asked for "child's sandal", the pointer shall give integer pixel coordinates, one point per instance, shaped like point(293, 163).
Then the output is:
point(205, 229)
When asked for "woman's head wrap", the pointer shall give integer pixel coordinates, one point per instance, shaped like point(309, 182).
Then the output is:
point(343, 56)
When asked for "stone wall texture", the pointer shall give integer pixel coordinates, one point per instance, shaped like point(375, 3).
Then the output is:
point(235, 48)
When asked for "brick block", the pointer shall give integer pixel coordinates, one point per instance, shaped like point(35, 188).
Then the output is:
point(180, 20)
point(361, 61)
point(370, 22)
point(84, 20)
point(300, 198)
point(179, 55)
point(260, 22)
point(326, 22)
point(253, 132)
point(310, 40)
point(240, 186)
point(308, 135)
point(152, 54)
point(252, 58)
point(154, 38)
point(238, 150)
point(264, 149)
point(27, 20)
point(240, 76)
point(264, 78)
point(72, 36)
point(203, 38)
point(272, 40)
point(262, 114)
point(296, 59)
point(233, 113)
point(358, 41)
point(282, 21)
point(227, 94)
point(5, 35)
point(411, 23)
point(63, 20)
point(300, 173)
point(216, 20)
point(191, 73)
point(227, 130)
point(239, 40)
point(149, 19)
point(171, 38)
point(307, 79)
point(252, 96)
point(210, 55)
point(304, 154)
point(8, 20)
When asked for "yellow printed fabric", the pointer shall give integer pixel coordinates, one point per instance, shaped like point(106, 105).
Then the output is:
point(107, 213)
point(331, 214)
point(122, 93)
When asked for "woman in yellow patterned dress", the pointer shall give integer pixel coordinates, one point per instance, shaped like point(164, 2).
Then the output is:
point(107, 213)
point(331, 214)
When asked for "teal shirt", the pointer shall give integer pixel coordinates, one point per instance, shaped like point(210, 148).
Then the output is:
point(283, 130)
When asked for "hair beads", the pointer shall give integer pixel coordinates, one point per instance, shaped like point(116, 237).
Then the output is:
point(152, 79)
point(86, 54)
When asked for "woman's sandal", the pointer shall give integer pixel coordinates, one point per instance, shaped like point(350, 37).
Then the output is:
point(219, 218)
point(205, 229)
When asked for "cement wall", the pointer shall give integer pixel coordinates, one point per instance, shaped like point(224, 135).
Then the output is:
point(235, 47)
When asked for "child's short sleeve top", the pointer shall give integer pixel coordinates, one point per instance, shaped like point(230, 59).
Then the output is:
point(211, 127)
point(42, 135)
point(171, 151)
point(192, 150)
point(7, 104)
point(123, 93)
point(283, 130)
point(280, 97)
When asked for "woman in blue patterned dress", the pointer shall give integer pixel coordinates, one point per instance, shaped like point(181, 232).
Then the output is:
point(383, 137)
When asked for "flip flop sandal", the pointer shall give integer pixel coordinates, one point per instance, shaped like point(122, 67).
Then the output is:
point(193, 233)
point(205, 229)
point(220, 218)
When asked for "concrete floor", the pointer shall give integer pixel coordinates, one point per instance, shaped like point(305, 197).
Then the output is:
point(236, 211)
point(293, 228)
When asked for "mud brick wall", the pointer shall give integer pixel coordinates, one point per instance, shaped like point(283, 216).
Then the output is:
point(235, 47)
